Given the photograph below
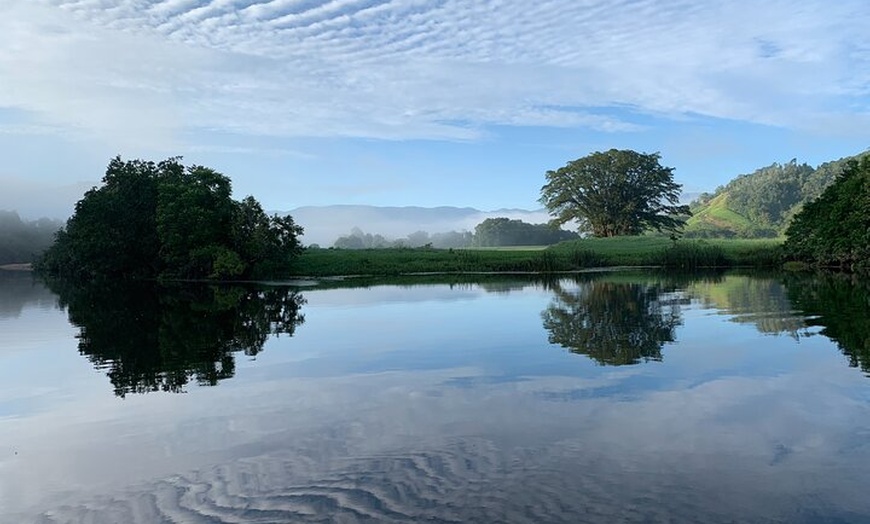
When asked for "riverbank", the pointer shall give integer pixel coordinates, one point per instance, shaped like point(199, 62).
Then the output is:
point(643, 251)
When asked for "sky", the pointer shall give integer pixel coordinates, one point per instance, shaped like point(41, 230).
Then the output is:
point(421, 102)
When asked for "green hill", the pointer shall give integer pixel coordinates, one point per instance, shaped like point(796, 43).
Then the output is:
point(762, 203)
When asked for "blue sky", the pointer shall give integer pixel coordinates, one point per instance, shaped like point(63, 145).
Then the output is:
point(421, 102)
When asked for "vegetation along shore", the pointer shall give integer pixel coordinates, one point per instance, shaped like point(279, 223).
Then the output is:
point(167, 221)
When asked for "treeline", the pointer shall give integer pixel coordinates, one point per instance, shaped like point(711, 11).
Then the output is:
point(492, 232)
point(165, 220)
point(763, 203)
point(22, 241)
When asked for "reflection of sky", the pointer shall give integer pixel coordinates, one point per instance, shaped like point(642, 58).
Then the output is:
point(451, 397)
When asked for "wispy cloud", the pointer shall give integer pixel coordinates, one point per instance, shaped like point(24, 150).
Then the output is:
point(148, 70)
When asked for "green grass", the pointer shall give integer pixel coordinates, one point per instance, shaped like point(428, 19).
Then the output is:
point(567, 256)
point(717, 215)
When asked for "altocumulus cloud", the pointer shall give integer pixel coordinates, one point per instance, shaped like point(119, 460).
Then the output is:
point(435, 69)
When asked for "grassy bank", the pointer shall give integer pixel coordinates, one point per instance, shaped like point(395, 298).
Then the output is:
point(567, 256)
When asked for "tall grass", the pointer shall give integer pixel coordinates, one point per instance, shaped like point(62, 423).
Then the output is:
point(691, 256)
point(568, 256)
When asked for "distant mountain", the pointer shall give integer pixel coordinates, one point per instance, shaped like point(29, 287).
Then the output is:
point(324, 224)
point(762, 203)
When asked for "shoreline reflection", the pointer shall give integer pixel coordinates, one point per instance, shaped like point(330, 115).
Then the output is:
point(152, 338)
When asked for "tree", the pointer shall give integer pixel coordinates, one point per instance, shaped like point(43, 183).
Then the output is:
point(834, 229)
point(502, 231)
point(617, 192)
point(152, 220)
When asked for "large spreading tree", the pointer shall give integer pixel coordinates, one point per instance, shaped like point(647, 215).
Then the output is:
point(616, 192)
point(150, 220)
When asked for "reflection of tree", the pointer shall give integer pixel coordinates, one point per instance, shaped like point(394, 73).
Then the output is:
point(152, 338)
point(18, 290)
point(840, 305)
point(755, 298)
point(613, 322)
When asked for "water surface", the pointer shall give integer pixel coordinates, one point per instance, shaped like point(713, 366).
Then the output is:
point(624, 396)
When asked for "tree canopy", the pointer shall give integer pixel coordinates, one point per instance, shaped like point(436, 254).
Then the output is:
point(510, 232)
point(616, 192)
point(163, 219)
point(834, 229)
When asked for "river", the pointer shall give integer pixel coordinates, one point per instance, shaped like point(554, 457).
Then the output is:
point(622, 396)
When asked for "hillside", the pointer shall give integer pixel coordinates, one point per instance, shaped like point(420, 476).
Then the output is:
point(762, 203)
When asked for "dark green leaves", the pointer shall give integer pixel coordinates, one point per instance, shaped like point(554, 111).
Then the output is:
point(152, 220)
point(834, 229)
point(618, 192)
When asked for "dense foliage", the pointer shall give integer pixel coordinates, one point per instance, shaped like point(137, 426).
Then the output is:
point(163, 219)
point(21, 241)
point(760, 204)
point(617, 192)
point(834, 229)
point(494, 232)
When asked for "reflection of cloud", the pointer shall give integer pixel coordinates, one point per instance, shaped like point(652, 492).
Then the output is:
point(389, 449)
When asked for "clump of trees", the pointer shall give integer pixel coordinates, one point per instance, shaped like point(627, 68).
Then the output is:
point(834, 229)
point(500, 231)
point(614, 193)
point(166, 220)
point(21, 241)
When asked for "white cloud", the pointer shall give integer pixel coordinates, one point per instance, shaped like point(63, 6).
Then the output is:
point(142, 71)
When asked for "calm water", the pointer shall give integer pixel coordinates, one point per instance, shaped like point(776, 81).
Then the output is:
point(607, 397)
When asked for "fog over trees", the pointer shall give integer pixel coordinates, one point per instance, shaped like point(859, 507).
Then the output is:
point(492, 232)
point(21, 241)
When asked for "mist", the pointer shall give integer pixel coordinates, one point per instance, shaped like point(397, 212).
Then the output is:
point(21, 241)
point(32, 200)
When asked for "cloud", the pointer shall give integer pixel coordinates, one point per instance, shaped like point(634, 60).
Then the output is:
point(151, 71)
